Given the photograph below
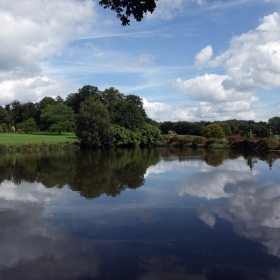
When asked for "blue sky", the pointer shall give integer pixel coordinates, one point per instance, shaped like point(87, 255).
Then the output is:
point(190, 60)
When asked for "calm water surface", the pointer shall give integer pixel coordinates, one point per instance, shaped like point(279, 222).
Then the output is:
point(140, 214)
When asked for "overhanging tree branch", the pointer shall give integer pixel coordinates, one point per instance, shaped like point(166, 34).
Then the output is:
point(127, 8)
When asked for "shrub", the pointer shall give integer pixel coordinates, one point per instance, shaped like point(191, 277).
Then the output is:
point(234, 138)
point(200, 140)
point(4, 128)
point(265, 144)
point(30, 125)
point(213, 131)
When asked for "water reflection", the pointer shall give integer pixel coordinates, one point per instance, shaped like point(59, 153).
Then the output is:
point(92, 173)
point(156, 214)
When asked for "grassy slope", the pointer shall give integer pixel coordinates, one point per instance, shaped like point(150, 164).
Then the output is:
point(19, 139)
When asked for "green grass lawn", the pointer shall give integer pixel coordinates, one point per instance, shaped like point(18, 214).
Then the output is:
point(19, 139)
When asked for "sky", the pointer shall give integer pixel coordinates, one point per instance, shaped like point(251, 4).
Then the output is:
point(190, 60)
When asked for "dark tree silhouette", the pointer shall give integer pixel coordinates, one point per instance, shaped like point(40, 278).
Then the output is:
point(127, 8)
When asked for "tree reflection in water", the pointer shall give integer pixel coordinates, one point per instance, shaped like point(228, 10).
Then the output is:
point(191, 220)
point(90, 172)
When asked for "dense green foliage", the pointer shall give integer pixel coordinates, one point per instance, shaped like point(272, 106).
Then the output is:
point(213, 131)
point(116, 119)
point(129, 116)
point(5, 117)
point(146, 135)
point(74, 100)
point(274, 124)
point(29, 125)
point(230, 127)
point(58, 117)
point(92, 123)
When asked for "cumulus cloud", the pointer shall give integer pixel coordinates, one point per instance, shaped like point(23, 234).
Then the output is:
point(33, 89)
point(251, 62)
point(203, 57)
point(34, 31)
point(204, 110)
point(164, 112)
point(210, 88)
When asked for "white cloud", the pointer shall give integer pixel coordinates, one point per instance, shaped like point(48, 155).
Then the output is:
point(33, 89)
point(204, 110)
point(33, 31)
point(210, 88)
point(251, 62)
point(203, 57)
point(253, 58)
point(164, 112)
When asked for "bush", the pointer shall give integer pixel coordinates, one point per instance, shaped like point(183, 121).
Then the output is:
point(122, 136)
point(264, 145)
point(234, 138)
point(186, 140)
point(200, 140)
point(213, 131)
point(4, 128)
point(30, 125)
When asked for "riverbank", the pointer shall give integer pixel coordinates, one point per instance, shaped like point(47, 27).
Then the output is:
point(232, 142)
point(18, 142)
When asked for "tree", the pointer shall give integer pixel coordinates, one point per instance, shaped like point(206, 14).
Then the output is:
point(274, 124)
point(16, 111)
point(213, 131)
point(92, 123)
point(45, 102)
point(59, 99)
point(226, 128)
point(127, 8)
point(111, 98)
point(29, 125)
point(5, 117)
point(28, 111)
point(40, 106)
point(75, 99)
point(129, 115)
point(138, 101)
point(58, 117)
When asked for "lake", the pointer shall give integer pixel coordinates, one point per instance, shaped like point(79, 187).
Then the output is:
point(140, 214)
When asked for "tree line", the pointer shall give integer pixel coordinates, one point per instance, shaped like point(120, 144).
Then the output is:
point(109, 117)
point(230, 127)
point(97, 117)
